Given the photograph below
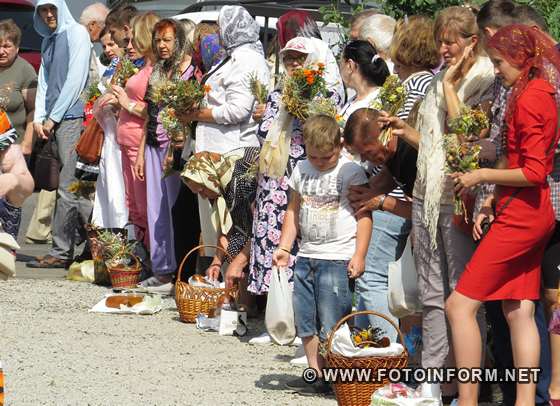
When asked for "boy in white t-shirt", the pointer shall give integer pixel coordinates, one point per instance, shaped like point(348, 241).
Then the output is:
point(333, 242)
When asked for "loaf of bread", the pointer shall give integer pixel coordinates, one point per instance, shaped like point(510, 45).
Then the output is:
point(117, 300)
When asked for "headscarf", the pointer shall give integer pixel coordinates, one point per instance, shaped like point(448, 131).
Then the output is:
point(276, 148)
point(296, 23)
point(163, 66)
point(238, 28)
point(214, 171)
point(211, 51)
point(530, 50)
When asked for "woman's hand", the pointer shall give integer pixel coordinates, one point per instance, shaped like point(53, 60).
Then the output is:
point(486, 213)
point(356, 267)
point(234, 273)
point(280, 258)
point(456, 71)
point(121, 96)
point(106, 100)
point(213, 271)
point(139, 167)
point(258, 113)
point(26, 146)
point(465, 181)
point(399, 126)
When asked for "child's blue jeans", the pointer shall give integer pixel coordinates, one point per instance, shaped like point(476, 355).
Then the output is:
point(322, 295)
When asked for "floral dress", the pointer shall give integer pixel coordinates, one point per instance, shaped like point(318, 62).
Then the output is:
point(271, 204)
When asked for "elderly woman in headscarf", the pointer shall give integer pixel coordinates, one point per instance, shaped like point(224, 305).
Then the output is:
point(225, 124)
point(226, 181)
point(272, 183)
point(173, 63)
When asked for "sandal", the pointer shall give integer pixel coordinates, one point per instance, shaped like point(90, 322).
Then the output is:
point(48, 261)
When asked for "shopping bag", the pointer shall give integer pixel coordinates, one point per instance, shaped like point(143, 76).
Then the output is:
point(401, 395)
point(279, 317)
point(403, 295)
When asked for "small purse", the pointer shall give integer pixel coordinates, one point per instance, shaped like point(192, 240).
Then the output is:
point(47, 166)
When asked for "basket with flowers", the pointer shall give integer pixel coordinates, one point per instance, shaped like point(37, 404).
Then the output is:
point(392, 96)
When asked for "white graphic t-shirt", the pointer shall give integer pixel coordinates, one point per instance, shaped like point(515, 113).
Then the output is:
point(326, 220)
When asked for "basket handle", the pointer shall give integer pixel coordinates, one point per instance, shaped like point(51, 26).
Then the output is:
point(363, 312)
point(180, 270)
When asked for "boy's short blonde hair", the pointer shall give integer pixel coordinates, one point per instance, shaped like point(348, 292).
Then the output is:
point(322, 133)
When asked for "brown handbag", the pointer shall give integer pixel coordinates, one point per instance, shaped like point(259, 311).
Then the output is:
point(91, 142)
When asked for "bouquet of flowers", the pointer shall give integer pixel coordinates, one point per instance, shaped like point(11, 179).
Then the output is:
point(462, 156)
point(258, 89)
point(301, 88)
point(325, 107)
point(91, 93)
point(5, 92)
point(554, 326)
point(370, 337)
point(469, 124)
point(125, 70)
point(391, 99)
point(176, 96)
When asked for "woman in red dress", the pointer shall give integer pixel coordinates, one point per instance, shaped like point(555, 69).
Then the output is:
point(507, 264)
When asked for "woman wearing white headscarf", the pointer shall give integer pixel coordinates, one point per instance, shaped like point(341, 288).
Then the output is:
point(225, 124)
point(280, 129)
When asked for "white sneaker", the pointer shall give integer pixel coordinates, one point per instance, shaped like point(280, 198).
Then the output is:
point(299, 361)
point(264, 338)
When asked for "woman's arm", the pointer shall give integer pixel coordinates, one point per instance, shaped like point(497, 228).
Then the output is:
point(29, 102)
point(138, 109)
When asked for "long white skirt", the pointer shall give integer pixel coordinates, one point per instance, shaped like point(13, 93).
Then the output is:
point(109, 208)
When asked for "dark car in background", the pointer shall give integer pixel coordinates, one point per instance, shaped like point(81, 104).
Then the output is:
point(21, 11)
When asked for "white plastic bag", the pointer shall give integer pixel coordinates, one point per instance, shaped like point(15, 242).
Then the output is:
point(279, 318)
point(403, 295)
point(7, 255)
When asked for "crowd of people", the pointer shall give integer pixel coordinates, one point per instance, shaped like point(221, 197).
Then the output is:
point(323, 199)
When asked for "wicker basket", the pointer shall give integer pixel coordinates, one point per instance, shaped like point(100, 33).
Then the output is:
point(193, 300)
point(101, 274)
point(125, 276)
point(359, 393)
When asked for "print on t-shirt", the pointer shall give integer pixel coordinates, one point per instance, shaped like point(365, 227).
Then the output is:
point(320, 205)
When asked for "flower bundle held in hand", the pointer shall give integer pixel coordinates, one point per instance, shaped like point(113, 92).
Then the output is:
point(301, 88)
point(460, 155)
point(176, 96)
point(91, 93)
point(392, 96)
point(125, 70)
point(258, 89)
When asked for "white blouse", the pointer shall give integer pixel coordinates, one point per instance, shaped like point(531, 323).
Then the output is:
point(232, 102)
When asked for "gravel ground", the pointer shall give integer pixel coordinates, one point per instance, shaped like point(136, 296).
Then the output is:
point(56, 353)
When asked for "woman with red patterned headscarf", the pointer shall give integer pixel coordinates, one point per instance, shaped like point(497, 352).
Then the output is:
point(507, 264)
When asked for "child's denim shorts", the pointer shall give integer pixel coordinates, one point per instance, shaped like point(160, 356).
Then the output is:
point(322, 295)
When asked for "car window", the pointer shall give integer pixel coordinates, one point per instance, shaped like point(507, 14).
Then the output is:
point(30, 40)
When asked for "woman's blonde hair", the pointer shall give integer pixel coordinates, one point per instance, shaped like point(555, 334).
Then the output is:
point(454, 22)
point(413, 43)
point(143, 26)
